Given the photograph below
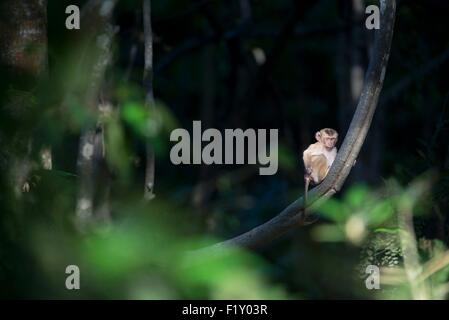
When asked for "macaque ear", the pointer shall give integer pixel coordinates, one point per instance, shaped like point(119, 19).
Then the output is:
point(318, 136)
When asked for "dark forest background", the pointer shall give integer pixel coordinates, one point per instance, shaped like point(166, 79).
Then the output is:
point(297, 66)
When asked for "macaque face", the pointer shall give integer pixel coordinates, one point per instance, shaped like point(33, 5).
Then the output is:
point(328, 137)
point(329, 141)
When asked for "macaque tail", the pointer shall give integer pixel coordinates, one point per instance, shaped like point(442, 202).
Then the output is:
point(304, 221)
point(306, 191)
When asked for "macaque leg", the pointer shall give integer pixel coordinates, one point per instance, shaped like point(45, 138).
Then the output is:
point(319, 168)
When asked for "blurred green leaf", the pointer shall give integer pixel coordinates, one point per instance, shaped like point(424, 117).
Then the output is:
point(357, 196)
point(332, 209)
point(387, 230)
point(380, 213)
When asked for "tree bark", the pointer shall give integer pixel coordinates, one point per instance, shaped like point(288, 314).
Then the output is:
point(23, 62)
point(23, 40)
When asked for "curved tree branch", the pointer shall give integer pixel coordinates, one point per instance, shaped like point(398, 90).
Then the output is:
point(292, 216)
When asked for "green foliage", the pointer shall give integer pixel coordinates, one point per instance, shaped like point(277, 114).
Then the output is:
point(369, 220)
point(357, 212)
point(145, 257)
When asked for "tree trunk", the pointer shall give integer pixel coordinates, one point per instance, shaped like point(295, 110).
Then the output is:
point(149, 99)
point(92, 170)
point(23, 61)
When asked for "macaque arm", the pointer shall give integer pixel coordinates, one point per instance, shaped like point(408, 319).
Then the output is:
point(306, 159)
point(307, 156)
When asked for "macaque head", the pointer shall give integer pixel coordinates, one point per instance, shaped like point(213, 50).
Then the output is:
point(327, 137)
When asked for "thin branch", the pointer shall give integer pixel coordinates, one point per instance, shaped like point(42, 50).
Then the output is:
point(149, 99)
point(291, 216)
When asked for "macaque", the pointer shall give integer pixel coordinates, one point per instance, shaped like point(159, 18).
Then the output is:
point(318, 158)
